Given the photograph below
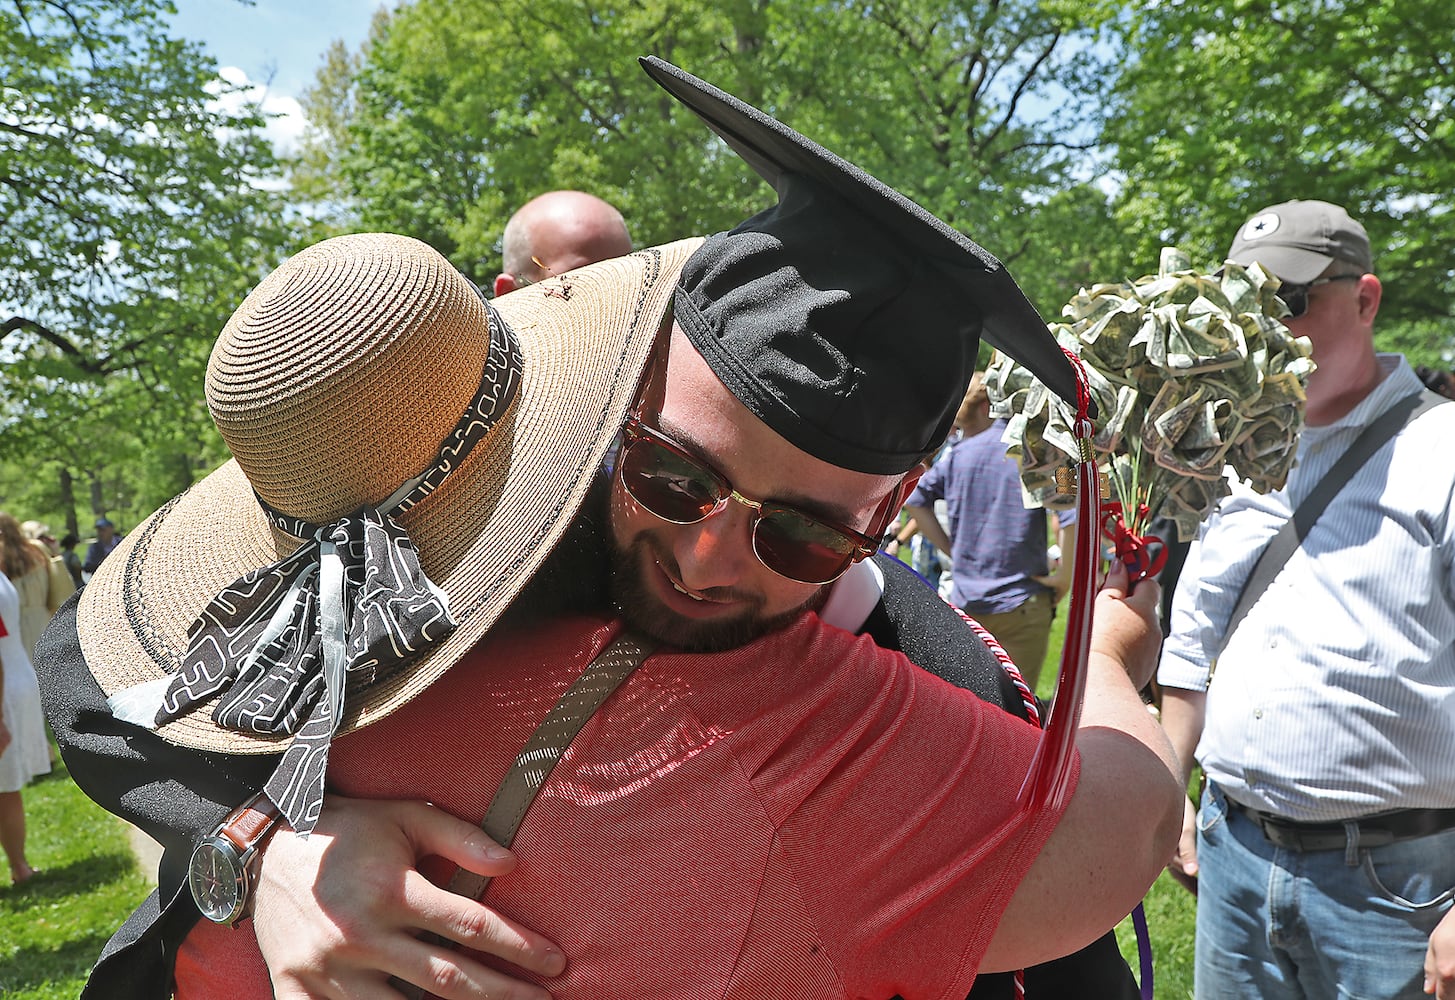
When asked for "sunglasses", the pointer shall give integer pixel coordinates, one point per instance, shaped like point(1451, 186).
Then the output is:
point(1296, 296)
point(675, 485)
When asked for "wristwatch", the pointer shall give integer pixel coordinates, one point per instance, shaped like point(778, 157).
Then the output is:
point(223, 866)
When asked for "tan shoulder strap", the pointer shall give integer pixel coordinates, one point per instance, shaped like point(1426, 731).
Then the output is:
point(531, 769)
point(545, 747)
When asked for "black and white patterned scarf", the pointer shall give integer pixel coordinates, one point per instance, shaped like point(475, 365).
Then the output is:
point(285, 644)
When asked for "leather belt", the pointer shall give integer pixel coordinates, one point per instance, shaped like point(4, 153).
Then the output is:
point(1374, 831)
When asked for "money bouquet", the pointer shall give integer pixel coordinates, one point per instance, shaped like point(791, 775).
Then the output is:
point(1190, 372)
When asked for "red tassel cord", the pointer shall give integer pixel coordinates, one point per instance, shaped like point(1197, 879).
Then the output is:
point(1047, 784)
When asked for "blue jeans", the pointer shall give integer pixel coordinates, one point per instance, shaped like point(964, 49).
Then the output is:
point(1279, 924)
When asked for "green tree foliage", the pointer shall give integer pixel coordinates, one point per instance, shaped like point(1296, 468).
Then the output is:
point(138, 212)
point(134, 223)
point(457, 111)
point(1222, 108)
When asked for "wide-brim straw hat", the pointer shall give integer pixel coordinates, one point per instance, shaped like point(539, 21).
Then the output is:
point(335, 382)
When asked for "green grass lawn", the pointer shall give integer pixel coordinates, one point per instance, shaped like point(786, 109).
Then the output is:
point(52, 927)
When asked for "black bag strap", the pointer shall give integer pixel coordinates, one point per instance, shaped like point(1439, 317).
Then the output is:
point(1282, 545)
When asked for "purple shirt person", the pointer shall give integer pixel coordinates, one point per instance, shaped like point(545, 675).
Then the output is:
point(998, 565)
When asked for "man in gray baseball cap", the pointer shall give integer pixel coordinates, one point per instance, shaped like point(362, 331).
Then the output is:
point(1324, 849)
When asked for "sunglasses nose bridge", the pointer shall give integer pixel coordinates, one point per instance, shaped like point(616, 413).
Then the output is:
point(756, 506)
point(726, 493)
point(717, 548)
point(755, 518)
point(730, 493)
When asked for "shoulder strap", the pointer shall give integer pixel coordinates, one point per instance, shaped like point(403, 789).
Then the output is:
point(1296, 528)
point(533, 766)
point(545, 747)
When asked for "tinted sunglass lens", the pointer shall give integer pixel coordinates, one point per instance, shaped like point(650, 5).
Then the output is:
point(667, 484)
point(1296, 298)
point(800, 548)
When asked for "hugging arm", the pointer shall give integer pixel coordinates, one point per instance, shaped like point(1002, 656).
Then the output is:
point(1125, 815)
point(366, 916)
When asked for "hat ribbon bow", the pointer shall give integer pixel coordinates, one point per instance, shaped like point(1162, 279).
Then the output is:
point(285, 643)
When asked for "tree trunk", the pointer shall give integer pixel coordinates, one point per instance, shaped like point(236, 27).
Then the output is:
point(68, 501)
point(98, 501)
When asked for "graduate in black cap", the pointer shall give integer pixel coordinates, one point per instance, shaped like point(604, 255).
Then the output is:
point(770, 445)
point(803, 310)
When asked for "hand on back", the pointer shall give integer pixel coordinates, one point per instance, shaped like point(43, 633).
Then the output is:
point(362, 919)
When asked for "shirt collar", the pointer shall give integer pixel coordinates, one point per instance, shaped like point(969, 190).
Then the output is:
point(1397, 380)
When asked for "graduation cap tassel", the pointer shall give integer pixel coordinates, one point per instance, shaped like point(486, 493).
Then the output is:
point(1047, 783)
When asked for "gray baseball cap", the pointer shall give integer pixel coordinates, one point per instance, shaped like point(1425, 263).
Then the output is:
point(1297, 240)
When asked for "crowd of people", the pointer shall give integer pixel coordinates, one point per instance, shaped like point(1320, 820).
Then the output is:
point(619, 497)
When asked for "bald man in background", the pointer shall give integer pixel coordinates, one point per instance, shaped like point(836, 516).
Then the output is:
point(556, 232)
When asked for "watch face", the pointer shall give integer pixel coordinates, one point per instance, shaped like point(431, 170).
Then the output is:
point(216, 880)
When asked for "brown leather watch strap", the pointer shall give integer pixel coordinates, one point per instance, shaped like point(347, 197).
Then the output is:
point(249, 823)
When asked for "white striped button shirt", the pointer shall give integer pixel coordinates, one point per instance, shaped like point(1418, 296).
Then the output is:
point(1335, 698)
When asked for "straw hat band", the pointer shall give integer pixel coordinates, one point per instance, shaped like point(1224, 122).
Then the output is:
point(324, 365)
point(285, 644)
point(497, 391)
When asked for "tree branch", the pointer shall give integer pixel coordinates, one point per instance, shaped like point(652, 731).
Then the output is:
point(77, 357)
point(23, 187)
point(57, 340)
point(1020, 90)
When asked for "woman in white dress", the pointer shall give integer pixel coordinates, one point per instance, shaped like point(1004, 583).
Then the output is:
point(24, 749)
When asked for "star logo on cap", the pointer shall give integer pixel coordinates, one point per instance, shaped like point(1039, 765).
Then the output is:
point(1260, 226)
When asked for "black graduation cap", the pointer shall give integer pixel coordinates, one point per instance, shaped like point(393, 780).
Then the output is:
point(846, 317)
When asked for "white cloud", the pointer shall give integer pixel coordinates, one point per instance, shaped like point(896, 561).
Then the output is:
point(285, 115)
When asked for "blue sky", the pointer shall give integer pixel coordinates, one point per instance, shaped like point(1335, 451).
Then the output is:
point(279, 43)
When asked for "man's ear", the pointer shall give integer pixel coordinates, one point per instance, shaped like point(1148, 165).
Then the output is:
point(1371, 293)
point(504, 283)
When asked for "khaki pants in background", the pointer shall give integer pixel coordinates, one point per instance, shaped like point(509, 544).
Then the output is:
point(1024, 632)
